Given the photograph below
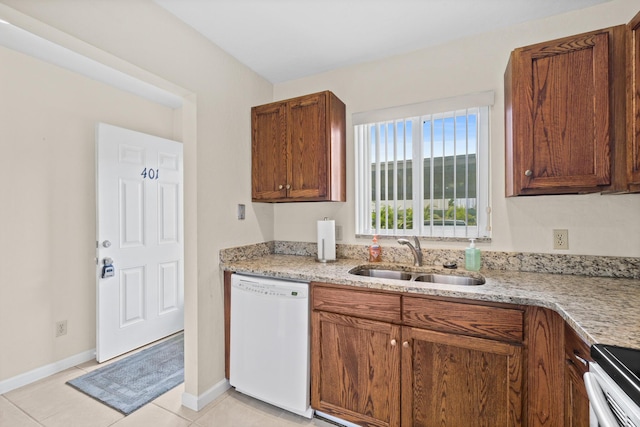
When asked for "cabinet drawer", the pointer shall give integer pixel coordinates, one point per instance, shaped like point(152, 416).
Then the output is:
point(365, 304)
point(497, 323)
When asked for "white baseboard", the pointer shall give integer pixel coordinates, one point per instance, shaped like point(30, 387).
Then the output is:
point(45, 371)
point(195, 403)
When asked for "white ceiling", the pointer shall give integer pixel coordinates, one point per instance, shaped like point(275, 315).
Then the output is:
point(287, 39)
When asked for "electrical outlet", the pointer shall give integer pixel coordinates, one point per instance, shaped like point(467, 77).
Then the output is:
point(241, 210)
point(560, 239)
point(61, 328)
point(338, 232)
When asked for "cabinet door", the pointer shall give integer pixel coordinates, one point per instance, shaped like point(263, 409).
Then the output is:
point(307, 155)
point(633, 105)
point(576, 399)
point(577, 354)
point(558, 114)
point(454, 380)
point(268, 152)
point(355, 369)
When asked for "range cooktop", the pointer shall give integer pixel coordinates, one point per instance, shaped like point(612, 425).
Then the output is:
point(622, 365)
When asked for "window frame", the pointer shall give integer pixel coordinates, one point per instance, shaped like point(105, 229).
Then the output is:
point(481, 104)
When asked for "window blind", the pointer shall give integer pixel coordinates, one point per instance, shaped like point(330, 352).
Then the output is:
point(425, 175)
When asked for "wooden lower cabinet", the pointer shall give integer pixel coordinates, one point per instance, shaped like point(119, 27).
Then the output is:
point(373, 372)
point(577, 353)
point(545, 368)
point(456, 380)
point(356, 369)
point(576, 400)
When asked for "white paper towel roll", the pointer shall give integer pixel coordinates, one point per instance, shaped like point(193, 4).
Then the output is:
point(326, 240)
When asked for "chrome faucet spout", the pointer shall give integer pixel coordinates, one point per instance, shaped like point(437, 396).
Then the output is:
point(415, 250)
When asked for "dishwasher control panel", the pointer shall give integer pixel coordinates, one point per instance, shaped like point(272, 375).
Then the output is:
point(270, 290)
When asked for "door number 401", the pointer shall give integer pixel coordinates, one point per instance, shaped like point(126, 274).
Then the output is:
point(150, 173)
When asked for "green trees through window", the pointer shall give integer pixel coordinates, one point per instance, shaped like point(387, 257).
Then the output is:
point(402, 219)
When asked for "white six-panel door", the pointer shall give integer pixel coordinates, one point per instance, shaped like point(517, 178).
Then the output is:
point(139, 228)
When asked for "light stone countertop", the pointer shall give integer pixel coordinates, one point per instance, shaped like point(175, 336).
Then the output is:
point(601, 309)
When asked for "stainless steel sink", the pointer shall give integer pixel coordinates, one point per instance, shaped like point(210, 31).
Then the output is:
point(445, 279)
point(450, 279)
point(383, 274)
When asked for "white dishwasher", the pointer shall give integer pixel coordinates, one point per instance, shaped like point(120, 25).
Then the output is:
point(269, 355)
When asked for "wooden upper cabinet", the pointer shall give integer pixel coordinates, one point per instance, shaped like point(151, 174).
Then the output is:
point(633, 104)
point(299, 150)
point(268, 168)
point(565, 114)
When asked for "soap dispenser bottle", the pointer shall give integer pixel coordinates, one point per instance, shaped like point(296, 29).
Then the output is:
point(472, 257)
point(375, 251)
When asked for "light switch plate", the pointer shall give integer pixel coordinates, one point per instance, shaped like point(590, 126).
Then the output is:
point(240, 211)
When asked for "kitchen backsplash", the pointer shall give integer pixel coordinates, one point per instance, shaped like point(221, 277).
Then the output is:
point(584, 265)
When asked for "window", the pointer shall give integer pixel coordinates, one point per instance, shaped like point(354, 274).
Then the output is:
point(427, 173)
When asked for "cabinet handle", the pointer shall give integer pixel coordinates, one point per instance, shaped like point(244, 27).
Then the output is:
point(580, 359)
point(393, 343)
point(405, 344)
point(280, 187)
point(528, 172)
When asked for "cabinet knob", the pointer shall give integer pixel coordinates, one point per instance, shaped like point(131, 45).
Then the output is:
point(280, 187)
point(405, 344)
point(288, 186)
point(528, 172)
point(393, 343)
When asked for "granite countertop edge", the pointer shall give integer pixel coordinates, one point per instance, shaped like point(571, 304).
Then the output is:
point(600, 309)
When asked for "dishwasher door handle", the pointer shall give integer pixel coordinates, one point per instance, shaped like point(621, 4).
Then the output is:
point(599, 405)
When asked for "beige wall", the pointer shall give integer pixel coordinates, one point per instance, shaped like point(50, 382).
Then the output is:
point(217, 177)
point(598, 225)
point(47, 267)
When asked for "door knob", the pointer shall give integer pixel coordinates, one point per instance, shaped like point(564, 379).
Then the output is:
point(106, 244)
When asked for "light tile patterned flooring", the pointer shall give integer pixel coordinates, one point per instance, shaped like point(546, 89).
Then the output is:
point(52, 403)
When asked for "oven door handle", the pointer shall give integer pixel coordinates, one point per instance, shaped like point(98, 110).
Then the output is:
point(598, 402)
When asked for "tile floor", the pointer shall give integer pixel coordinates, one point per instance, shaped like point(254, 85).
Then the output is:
point(52, 403)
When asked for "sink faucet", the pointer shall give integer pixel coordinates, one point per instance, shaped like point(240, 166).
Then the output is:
point(416, 250)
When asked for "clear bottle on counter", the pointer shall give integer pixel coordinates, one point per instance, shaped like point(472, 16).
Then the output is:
point(472, 257)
